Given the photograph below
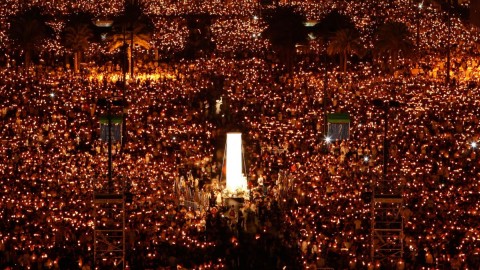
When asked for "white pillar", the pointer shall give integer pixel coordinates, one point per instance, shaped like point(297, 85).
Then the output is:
point(235, 178)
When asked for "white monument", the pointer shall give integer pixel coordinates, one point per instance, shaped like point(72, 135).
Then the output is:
point(236, 180)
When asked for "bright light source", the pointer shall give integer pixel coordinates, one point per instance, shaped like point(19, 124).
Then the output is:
point(474, 144)
point(235, 178)
point(366, 158)
point(52, 95)
point(103, 23)
point(420, 5)
point(255, 17)
point(328, 139)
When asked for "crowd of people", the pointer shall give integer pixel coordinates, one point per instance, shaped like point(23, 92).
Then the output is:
point(307, 205)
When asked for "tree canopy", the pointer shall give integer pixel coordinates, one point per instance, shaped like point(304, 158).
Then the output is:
point(393, 39)
point(332, 23)
point(285, 30)
point(344, 42)
point(29, 29)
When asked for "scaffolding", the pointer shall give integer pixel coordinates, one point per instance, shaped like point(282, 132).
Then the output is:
point(386, 210)
point(109, 203)
point(109, 230)
point(387, 230)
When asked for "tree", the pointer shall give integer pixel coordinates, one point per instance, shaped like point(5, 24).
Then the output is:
point(138, 33)
point(132, 27)
point(28, 29)
point(77, 36)
point(329, 25)
point(393, 39)
point(344, 42)
point(199, 40)
point(285, 30)
point(326, 30)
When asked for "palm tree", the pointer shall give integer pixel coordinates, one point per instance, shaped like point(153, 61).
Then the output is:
point(140, 35)
point(77, 38)
point(131, 28)
point(331, 23)
point(28, 29)
point(393, 39)
point(285, 30)
point(199, 41)
point(344, 42)
point(326, 30)
point(137, 35)
point(77, 34)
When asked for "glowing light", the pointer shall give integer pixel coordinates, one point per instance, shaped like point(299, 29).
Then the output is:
point(328, 139)
point(235, 178)
point(474, 144)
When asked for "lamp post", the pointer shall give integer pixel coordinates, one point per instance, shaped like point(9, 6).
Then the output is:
point(109, 203)
point(325, 88)
point(107, 104)
point(449, 27)
point(419, 7)
point(383, 195)
point(385, 106)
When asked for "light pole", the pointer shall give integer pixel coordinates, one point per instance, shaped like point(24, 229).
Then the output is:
point(109, 202)
point(325, 88)
point(385, 106)
point(449, 27)
point(419, 7)
point(386, 226)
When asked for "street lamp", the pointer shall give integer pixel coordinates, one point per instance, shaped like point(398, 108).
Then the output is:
point(419, 7)
point(109, 104)
point(449, 31)
point(385, 200)
point(473, 145)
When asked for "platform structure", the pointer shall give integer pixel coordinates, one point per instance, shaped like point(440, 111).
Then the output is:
point(387, 228)
point(109, 230)
point(109, 196)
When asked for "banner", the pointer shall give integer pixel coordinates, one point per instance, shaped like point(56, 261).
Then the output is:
point(338, 126)
point(116, 131)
